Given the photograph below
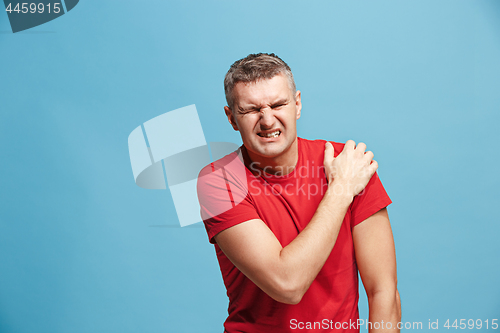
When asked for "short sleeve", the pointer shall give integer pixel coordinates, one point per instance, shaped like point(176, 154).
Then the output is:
point(372, 199)
point(223, 195)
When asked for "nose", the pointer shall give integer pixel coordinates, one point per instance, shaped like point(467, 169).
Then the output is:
point(266, 118)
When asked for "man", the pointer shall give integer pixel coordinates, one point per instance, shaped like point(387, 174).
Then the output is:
point(293, 220)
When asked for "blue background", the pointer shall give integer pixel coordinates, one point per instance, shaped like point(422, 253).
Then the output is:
point(83, 249)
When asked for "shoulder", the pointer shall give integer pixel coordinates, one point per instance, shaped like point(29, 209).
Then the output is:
point(223, 194)
point(222, 163)
point(319, 145)
point(226, 175)
point(231, 165)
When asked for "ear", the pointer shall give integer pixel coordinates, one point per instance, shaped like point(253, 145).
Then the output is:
point(298, 103)
point(230, 118)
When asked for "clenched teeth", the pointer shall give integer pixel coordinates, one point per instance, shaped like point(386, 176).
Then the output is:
point(270, 135)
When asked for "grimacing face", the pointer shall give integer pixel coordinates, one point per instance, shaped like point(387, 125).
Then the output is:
point(265, 113)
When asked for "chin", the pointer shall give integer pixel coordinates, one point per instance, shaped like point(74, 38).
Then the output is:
point(271, 152)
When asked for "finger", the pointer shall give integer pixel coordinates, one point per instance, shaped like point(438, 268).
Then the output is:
point(350, 145)
point(361, 147)
point(329, 151)
point(373, 167)
point(369, 155)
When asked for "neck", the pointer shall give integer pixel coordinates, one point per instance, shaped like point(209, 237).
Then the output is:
point(279, 165)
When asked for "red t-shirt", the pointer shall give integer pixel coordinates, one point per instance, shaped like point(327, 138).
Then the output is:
point(229, 194)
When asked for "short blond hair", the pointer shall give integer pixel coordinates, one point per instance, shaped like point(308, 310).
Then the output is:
point(256, 67)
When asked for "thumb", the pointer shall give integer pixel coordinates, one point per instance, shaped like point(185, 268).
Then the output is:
point(329, 152)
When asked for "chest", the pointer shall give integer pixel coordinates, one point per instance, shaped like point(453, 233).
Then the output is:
point(287, 205)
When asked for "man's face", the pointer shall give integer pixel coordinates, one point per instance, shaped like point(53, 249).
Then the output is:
point(265, 112)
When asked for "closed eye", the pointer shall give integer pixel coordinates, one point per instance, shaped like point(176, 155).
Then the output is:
point(277, 106)
point(245, 111)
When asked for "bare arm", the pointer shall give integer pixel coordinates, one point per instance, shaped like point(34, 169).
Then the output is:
point(286, 273)
point(376, 258)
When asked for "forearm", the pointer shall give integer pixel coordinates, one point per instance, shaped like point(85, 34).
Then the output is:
point(384, 308)
point(286, 273)
point(302, 259)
